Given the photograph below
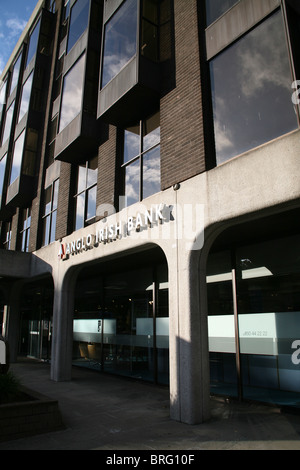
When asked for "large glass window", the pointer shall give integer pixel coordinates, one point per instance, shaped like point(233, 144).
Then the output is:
point(149, 31)
point(251, 90)
point(8, 122)
point(216, 8)
point(221, 325)
point(72, 94)
point(254, 321)
point(50, 212)
point(25, 232)
point(78, 22)
point(7, 232)
point(269, 319)
point(33, 43)
point(141, 159)
point(25, 98)
point(15, 74)
point(119, 328)
point(2, 173)
point(2, 98)
point(17, 158)
point(86, 193)
point(120, 40)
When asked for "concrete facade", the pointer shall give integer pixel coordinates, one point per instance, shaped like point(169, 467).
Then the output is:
point(262, 182)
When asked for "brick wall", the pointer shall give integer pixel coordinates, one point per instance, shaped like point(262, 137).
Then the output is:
point(107, 168)
point(65, 206)
point(182, 135)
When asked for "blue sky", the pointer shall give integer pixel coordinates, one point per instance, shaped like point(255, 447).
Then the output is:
point(14, 15)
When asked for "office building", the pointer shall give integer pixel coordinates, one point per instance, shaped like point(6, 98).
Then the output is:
point(150, 195)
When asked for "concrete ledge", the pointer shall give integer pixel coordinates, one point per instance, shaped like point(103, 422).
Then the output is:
point(36, 415)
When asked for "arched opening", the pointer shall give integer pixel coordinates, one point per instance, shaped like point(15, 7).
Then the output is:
point(121, 319)
point(253, 296)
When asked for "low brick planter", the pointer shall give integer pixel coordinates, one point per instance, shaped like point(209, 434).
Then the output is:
point(35, 415)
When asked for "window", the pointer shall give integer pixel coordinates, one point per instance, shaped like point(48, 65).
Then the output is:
point(86, 193)
point(33, 42)
point(216, 8)
point(25, 232)
point(50, 212)
point(25, 99)
point(72, 94)
point(7, 235)
point(8, 122)
point(15, 74)
point(141, 159)
point(51, 5)
point(149, 31)
point(120, 39)
point(2, 173)
point(2, 98)
point(78, 21)
point(251, 90)
point(17, 158)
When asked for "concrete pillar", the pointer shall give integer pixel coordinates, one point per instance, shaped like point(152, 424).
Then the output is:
point(189, 356)
point(12, 326)
point(62, 332)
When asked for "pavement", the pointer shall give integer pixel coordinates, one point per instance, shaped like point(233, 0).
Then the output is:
point(109, 413)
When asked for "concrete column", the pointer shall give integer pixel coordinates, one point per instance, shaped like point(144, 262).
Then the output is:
point(189, 357)
point(12, 326)
point(62, 332)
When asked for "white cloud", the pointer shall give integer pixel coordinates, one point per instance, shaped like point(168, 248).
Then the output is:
point(15, 27)
point(11, 31)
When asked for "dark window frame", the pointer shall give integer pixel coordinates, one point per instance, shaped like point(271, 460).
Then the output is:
point(50, 213)
point(139, 157)
point(84, 191)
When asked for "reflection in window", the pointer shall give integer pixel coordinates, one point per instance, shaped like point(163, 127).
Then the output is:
point(216, 8)
point(15, 75)
point(149, 31)
point(25, 99)
point(8, 122)
point(251, 89)
point(25, 232)
point(50, 212)
point(2, 173)
point(141, 159)
point(72, 94)
point(119, 328)
point(86, 193)
point(17, 158)
point(7, 235)
point(120, 39)
point(33, 42)
point(78, 21)
point(2, 98)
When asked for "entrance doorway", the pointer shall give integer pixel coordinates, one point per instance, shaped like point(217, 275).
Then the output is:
point(254, 320)
point(36, 320)
point(121, 320)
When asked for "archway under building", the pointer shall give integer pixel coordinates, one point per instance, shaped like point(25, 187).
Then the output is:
point(253, 299)
point(121, 316)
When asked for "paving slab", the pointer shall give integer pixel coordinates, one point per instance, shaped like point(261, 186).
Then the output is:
point(109, 413)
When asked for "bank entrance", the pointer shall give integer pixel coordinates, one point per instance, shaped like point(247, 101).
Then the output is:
point(253, 286)
point(121, 320)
